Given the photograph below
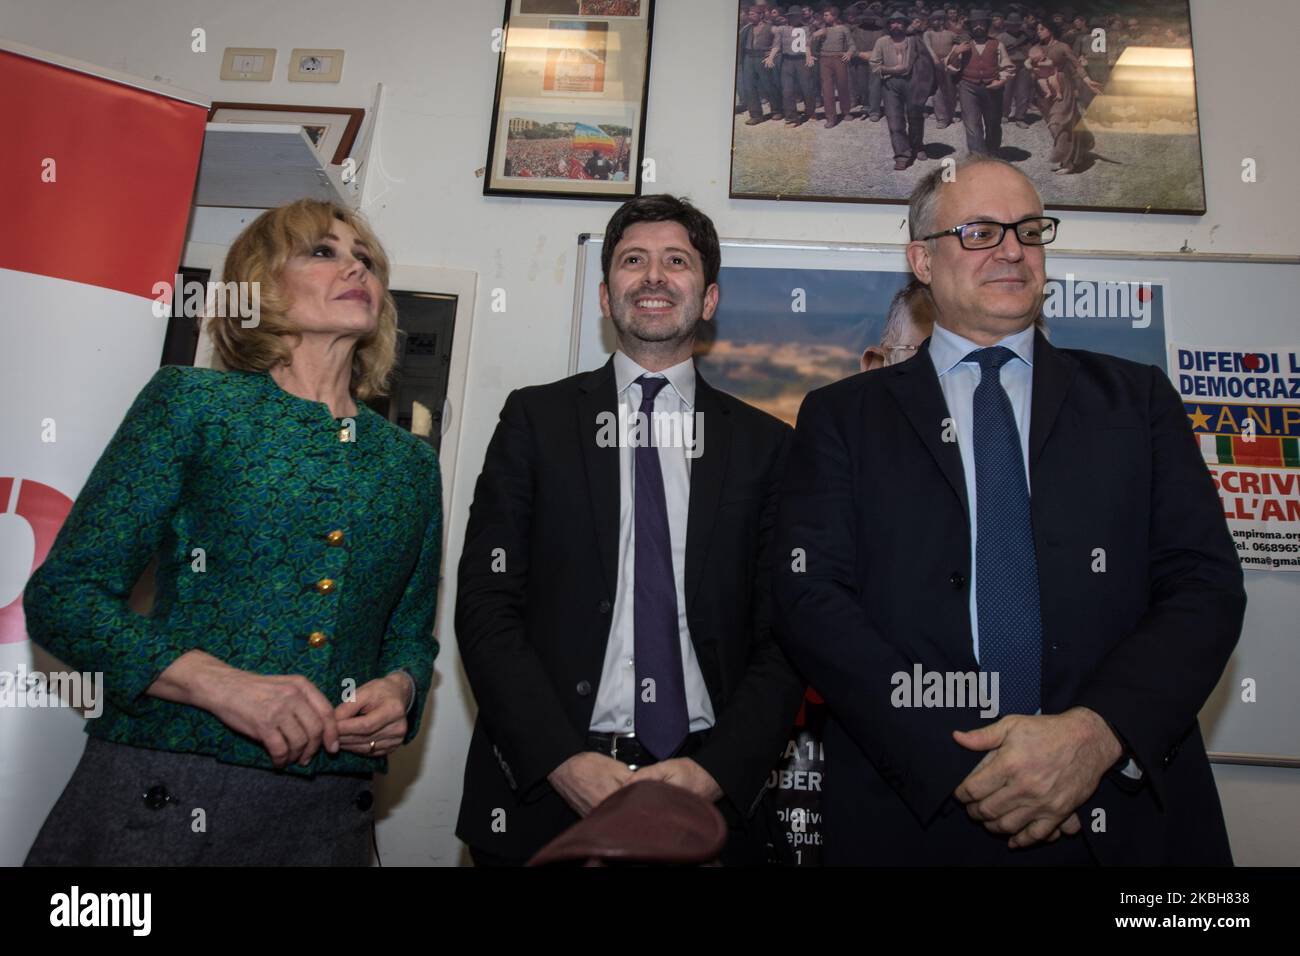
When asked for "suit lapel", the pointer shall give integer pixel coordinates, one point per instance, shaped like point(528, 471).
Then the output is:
point(1053, 373)
point(915, 386)
point(597, 394)
point(708, 474)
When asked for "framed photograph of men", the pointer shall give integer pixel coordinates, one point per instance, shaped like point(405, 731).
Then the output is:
point(569, 116)
point(1094, 100)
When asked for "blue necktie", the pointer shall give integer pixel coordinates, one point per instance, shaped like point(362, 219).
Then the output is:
point(661, 718)
point(1006, 567)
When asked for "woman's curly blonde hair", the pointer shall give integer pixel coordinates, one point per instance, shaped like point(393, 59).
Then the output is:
point(259, 255)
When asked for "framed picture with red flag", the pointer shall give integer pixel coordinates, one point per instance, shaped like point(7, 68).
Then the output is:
point(568, 120)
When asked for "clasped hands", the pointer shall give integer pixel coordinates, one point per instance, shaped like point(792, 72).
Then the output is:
point(1036, 772)
point(586, 779)
point(287, 714)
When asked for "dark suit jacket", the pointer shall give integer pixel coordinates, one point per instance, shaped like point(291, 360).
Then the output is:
point(878, 501)
point(533, 637)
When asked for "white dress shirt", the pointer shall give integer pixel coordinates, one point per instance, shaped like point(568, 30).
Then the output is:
point(615, 708)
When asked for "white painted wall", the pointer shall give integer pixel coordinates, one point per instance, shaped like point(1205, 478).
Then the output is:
point(435, 59)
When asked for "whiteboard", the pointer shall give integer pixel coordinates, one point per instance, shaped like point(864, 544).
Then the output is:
point(1247, 302)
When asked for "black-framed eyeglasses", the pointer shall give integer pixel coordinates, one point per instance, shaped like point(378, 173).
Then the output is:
point(1034, 231)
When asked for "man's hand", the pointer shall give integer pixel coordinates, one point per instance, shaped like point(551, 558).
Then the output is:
point(685, 773)
point(1036, 772)
point(1070, 827)
point(996, 85)
point(586, 779)
point(377, 713)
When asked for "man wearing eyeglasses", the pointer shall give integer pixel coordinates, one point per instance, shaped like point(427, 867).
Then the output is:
point(998, 515)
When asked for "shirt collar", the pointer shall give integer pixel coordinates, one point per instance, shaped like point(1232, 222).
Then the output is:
point(681, 377)
point(948, 349)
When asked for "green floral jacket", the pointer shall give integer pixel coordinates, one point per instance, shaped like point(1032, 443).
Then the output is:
point(281, 548)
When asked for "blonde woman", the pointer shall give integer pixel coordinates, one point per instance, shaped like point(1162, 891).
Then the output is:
point(298, 536)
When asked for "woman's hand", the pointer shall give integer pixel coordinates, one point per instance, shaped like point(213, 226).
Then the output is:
point(373, 723)
point(285, 713)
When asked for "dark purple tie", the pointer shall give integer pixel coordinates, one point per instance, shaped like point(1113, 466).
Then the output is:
point(661, 718)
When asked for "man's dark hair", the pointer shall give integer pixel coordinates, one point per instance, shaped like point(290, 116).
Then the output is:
point(662, 207)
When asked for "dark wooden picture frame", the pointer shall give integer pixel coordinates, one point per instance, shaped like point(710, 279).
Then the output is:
point(587, 116)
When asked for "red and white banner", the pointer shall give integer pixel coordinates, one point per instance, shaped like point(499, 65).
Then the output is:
point(98, 172)
point(1244, 409)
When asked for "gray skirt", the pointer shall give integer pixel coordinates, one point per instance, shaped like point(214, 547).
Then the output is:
point(130, 806)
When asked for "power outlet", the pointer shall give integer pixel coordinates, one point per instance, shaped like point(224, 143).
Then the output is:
point(316, 66)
